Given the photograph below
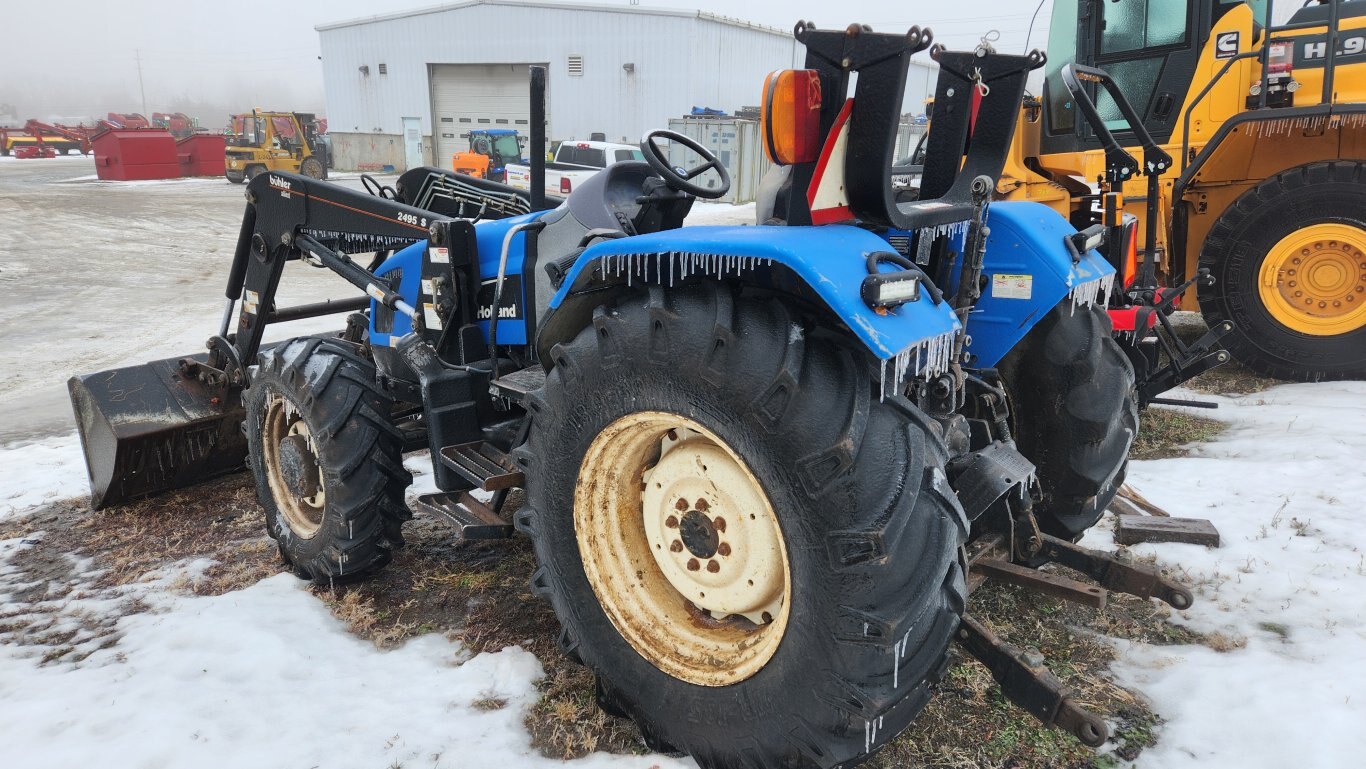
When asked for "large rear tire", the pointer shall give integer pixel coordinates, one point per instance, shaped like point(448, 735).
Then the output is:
point(328, 462)
point(1074, 413)
point(1289, 263)
point(694, 457)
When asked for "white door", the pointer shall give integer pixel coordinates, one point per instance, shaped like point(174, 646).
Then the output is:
point(468, 97)
point(412, 141)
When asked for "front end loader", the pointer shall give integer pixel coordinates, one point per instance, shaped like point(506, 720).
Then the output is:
point(763, 466)
point(1257, 213)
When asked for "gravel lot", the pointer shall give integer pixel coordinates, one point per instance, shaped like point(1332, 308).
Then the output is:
point(101, 274)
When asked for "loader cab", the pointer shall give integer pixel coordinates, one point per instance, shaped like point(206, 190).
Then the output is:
point(1150, 47)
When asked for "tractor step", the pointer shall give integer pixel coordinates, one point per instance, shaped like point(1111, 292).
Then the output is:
point(516, 385)
point(484, 465)
point(472, 519)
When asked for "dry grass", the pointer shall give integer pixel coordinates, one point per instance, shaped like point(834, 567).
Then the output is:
point(1163, 432)
point(970, 723)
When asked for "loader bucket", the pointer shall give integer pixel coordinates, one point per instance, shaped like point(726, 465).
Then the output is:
point(147, 429)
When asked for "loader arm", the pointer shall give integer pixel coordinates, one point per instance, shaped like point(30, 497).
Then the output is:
point(282, 208)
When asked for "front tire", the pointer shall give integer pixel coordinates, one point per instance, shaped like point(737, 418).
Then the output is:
point(313, 168)
point(1074, 414)
point(1289, 263)
point(787, 458)
point(328, 463)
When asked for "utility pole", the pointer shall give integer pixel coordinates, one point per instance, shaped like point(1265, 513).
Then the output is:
point(138, 53)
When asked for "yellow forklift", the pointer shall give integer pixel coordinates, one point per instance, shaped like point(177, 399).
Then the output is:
point(275, 141)
point(1261, 203)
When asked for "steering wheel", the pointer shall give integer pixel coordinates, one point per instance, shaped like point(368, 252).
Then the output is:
point(678, 178)
point(372, 186)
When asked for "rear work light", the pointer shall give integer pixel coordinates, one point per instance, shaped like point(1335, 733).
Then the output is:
point(791, 117)
point(564, 186)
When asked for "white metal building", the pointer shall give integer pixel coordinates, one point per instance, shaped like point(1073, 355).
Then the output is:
point(616, 70)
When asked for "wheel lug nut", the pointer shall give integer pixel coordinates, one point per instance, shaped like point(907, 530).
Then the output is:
point(723, 548)
point(713, 566)
point(671, 522)
point(693, 565)
point(719, 523)
point(681, 505)
point(677, 546)
point(702, 504)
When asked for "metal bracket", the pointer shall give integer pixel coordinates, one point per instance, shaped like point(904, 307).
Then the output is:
point(1115, 575)
point(1025, 681)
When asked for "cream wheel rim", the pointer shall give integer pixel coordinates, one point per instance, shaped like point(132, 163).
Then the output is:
point(292, 469)
point(682, 548)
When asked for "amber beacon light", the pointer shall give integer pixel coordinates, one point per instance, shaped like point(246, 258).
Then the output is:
point(791, 116)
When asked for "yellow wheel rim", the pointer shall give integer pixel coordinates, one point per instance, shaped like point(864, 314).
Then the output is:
point(682, 548)
point(1314, 280)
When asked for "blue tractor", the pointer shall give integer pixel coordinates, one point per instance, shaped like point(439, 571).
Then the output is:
point(763, 465)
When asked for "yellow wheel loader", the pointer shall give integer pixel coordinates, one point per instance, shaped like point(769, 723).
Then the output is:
point(275, 141)
point(1265, 189)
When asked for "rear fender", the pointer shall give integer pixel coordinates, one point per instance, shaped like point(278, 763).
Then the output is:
point(826, 263)
point(1027, 270)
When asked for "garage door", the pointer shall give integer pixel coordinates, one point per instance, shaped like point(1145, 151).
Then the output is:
point(474, 96)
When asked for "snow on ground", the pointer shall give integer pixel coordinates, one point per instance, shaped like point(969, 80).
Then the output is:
point(37, 472)
point(265, 677)
point(1283, 484)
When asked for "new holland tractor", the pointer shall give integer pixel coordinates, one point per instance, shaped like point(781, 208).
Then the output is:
point(763, 466)
point(1259, 210)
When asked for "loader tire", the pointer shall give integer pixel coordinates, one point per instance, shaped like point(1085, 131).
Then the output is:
point(313, 168)
point(1074, 414)
point(692, 440)
point(328, 462)
point(1288, 259)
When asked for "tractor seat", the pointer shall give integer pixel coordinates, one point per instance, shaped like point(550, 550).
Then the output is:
point(601, 201)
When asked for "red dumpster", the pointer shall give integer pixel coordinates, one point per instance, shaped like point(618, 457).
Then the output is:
point(202, 155)
point(124, 155)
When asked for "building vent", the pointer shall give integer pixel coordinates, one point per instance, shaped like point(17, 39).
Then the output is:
point(575, 65)
point(383, 69)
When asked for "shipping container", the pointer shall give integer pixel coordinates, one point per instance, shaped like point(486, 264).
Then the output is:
point(735, 142)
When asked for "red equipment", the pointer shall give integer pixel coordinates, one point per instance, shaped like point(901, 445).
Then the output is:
point(178, 123)
point(38, 150)
point(78, 136)
point(130, 120)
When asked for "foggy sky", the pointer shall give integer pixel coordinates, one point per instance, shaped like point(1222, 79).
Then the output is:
point(80, 58)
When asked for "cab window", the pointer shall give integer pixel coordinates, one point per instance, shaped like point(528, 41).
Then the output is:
point(1062, 48)
point(1132, 25)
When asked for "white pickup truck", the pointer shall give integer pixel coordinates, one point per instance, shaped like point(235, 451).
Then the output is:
point(574, 162)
